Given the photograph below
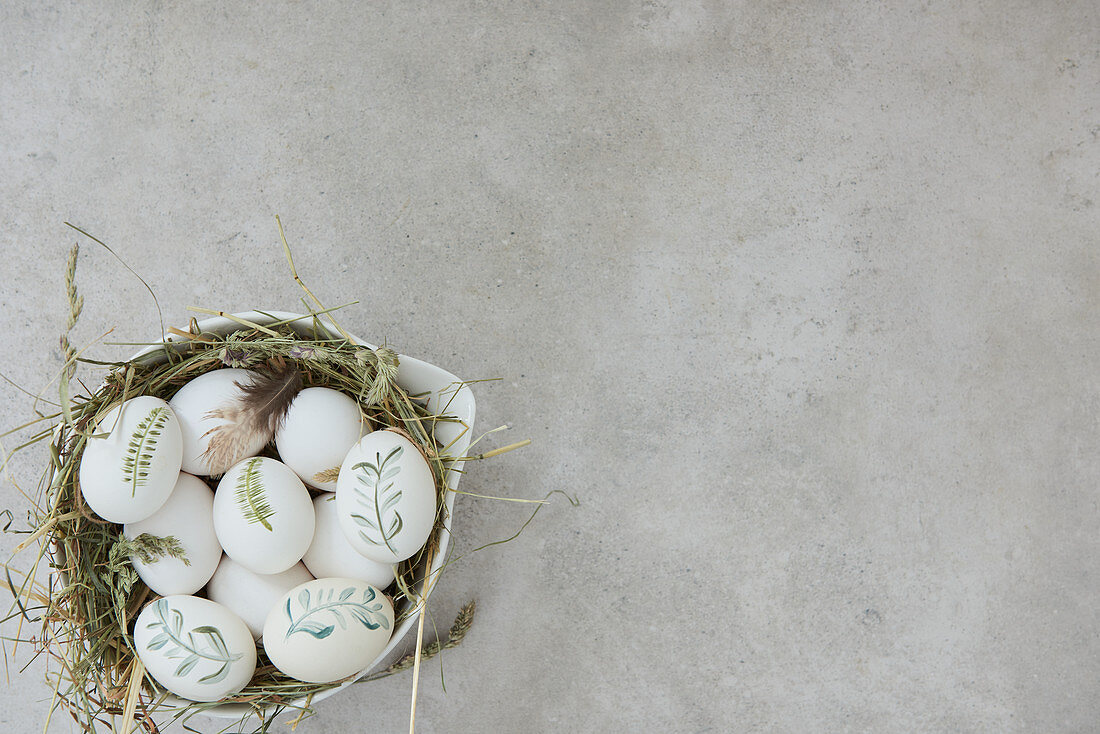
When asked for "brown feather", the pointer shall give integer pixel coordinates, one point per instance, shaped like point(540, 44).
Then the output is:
point(257, 413)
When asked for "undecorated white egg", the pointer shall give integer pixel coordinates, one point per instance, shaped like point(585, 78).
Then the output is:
point(251, 596)
point(263, 515)
point(199, 405)
point(385, 497)
point(195, 648)
point(188, 516)
point(315, 436)
point(127, 475)
point(328, 629)
point(330, 553)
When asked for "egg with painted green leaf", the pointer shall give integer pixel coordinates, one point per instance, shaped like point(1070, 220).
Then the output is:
point(130, 462)
point(263, 515)
point(386, 497)
point(195, 648)
point(328, 629)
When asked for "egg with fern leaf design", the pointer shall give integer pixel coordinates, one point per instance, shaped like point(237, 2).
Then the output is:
point(130, 462)
point(328, 629)
point(263, 515)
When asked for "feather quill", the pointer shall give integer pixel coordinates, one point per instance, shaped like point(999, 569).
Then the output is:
point(259, 412)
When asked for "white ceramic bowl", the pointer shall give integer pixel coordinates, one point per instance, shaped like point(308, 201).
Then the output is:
point(416, 377)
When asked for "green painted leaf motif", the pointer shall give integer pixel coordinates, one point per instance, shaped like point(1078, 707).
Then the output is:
point(336, 607)
point(250, 497)
point(390, 501)
point(177, 621)
point(360, 520)
point(396, 525)
point(376, 494)
point(215, 637)
point(185, 667)
point(217, 676)
point(140, 449)
point(170, 622)
point(317, 629)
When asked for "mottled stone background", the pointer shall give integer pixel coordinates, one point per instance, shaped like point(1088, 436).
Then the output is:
point(800, 300)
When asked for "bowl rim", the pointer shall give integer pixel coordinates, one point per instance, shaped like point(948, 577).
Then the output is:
point(462, 405)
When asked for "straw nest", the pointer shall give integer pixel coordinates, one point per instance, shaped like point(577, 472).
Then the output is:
point(85, 610)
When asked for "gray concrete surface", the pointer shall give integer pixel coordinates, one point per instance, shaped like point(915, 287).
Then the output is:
point(799, 299)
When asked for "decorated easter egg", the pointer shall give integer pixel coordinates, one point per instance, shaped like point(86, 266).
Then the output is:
point(188, 516)
point(197, 649)
point(385, 497)
point(263, 515)
point(251, 595)
point(128, 473)
point(328, 629)
point(208, 408)
point(314, 437)
point(331, 554)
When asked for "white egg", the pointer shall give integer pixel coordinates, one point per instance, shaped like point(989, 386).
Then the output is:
point(328, 629)
point(195, 648)
point(263, 515)
point(188, 515)
point(330, 553)
point(385, 497)
point(318, 430)
point(251, 596)
point(197, 404)
point(128, 474)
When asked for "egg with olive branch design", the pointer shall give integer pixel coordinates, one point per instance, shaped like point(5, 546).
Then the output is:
point(328, 629)
point(263, 515)
point(195, 648)
point(131, 460)
point(386, 497)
